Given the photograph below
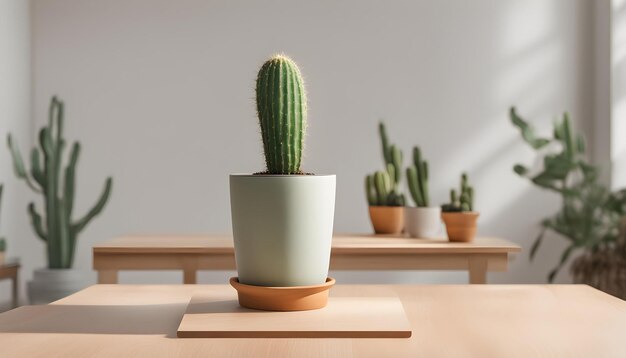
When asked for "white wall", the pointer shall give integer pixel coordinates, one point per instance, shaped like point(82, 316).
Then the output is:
point(15, 85)
point(618, 94)
point(161, 95)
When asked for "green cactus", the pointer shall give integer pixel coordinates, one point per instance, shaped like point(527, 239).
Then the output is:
point(392, 155)
point(3, 243)
point(56, 229)
point(281, 107)
point(462, 202)
point(417, 179)
point(382, 187)
point(380, 190)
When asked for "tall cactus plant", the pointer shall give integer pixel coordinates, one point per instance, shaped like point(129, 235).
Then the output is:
point(56, 228)
point(392, 156)
point(417, 179)
point(281, 107)
point(382, 187)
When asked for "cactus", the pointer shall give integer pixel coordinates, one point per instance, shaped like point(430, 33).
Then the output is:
point(281, 108)
point(392, 155)
point(417, 179)
point(382, 187)
point(56, 229)
point(3, 243)
point(462, 202)
point(380, 190)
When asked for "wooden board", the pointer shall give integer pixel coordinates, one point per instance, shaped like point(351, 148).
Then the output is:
point(212, 316)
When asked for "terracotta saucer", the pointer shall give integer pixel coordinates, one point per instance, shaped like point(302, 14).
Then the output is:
point(296, 298)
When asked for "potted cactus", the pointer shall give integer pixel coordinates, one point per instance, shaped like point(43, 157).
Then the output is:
point(386, 203)
point(282, 217)
point(421, 221)
point(55, 227)
point(3, 243)
point(459, 215)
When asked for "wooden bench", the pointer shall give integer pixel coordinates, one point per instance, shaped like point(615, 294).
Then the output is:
point(349, 252)
point(10, 270)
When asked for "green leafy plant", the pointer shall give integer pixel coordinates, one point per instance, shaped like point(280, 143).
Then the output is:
point(3, 242)
point(56, 228)
point(281, 107)
point(590, 214)
point(463, 202)
point(417, 179)
point(382, 187)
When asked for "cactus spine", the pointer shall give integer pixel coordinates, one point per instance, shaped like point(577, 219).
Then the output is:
point(382, 186)
point(417, 179)
point(56, 229)
point(462, 202)
point(281, 108)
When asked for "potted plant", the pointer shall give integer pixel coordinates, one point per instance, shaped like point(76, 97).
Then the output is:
point(590, 216)
point(55, 227)
point(3, 243)
point(282, 217)
point(421, 221)
point(459, 215)
point(386, 203)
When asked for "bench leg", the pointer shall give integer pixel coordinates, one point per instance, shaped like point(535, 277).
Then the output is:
point(189, 276)
point(478, 271)
point(107, 276)
point(15, 291)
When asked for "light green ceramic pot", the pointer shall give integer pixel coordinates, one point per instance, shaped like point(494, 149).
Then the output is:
point(283, 228)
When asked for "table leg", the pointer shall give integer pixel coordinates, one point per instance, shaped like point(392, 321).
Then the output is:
point(478, 271)
point(107, 276)
point(189, 276)
point(15, 291)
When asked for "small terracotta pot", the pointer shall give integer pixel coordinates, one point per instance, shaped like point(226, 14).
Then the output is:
point(387, 219)
point(292, 298)
point(461, 226)
point(2, 257)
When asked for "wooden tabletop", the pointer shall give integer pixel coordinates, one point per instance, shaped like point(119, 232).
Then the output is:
point(447, 321)
point(342, 244)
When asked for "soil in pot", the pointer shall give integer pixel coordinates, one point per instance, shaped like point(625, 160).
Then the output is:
point(387, 219)
point(460, 226)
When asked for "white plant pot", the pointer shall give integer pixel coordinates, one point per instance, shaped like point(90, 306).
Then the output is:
point(423, 222)
point(49, 285)
point(282, 228)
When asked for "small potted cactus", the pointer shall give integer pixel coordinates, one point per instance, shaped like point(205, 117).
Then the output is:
point(421, 221)
point(282, 217)
point(459, 215)
point(386, 203)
